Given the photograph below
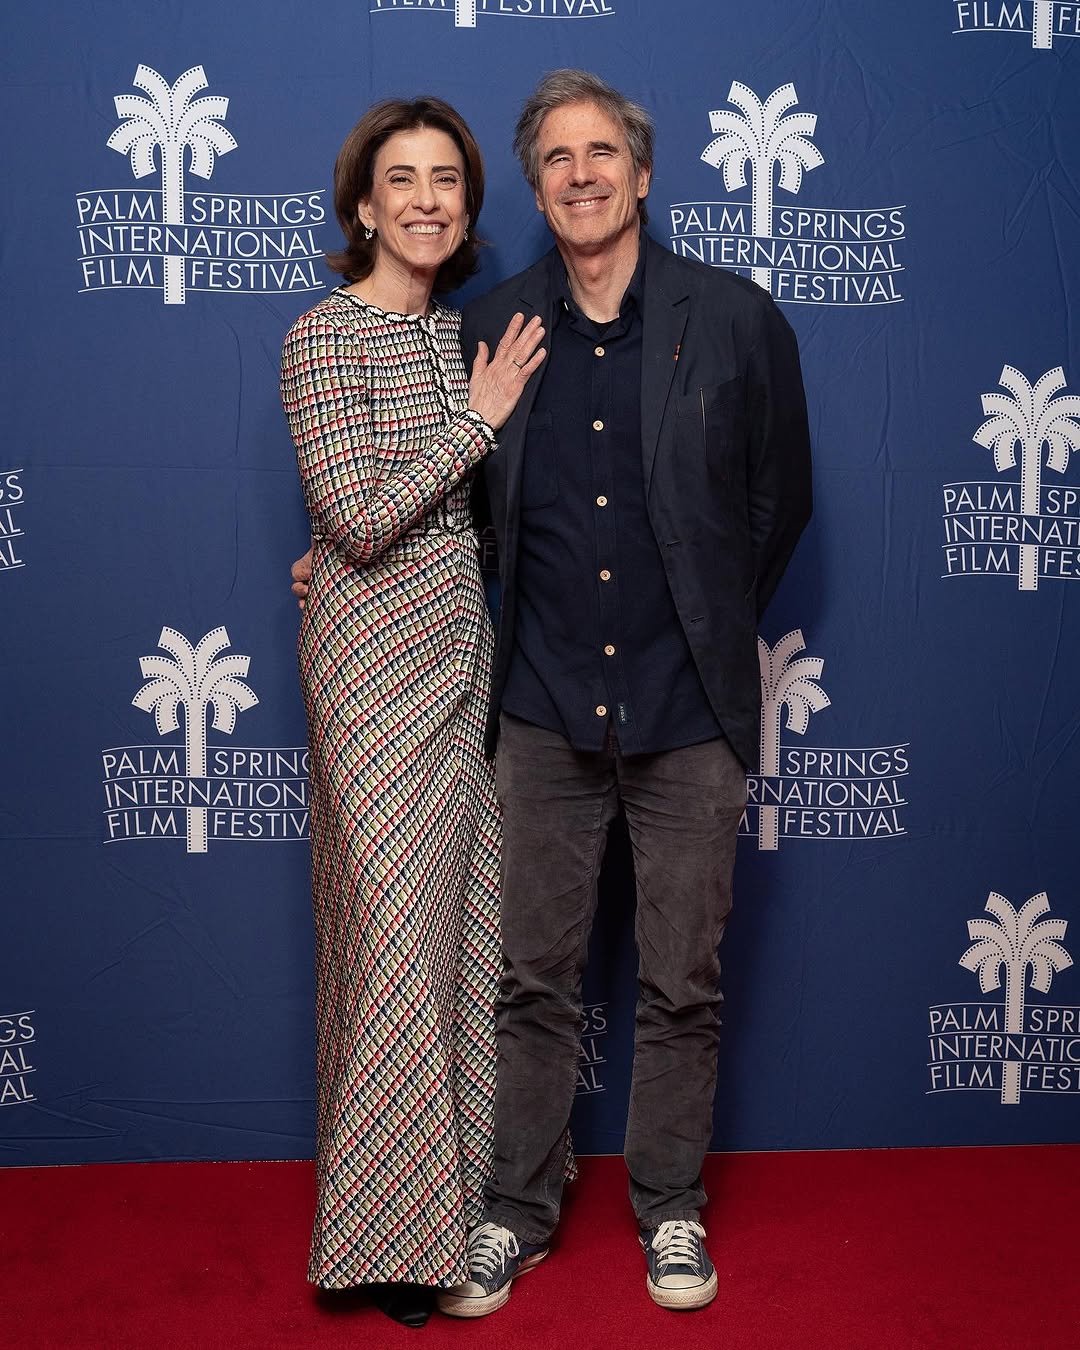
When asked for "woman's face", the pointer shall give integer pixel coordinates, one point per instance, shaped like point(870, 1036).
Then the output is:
point(417, 202)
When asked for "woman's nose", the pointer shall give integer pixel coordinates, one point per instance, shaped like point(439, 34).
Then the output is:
point(424, 196)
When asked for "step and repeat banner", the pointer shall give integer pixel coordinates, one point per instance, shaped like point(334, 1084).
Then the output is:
point(903, 964)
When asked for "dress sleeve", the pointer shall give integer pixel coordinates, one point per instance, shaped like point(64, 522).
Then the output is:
point(325, 392)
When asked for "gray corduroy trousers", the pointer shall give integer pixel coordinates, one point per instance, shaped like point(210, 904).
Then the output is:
point(683, 809)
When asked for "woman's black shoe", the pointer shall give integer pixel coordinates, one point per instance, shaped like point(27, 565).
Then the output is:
point(409, 1304)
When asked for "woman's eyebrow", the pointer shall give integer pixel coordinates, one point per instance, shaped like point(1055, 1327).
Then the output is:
point(411, 168)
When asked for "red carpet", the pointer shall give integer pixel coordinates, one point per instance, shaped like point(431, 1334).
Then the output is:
point(952, 1248)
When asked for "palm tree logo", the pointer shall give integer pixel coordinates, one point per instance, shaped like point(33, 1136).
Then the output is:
point(1042, 20)
point(1031, 418)
point(790, 683)
point(196, 681)
point(169, 121)
point(758, 140)
point(1015, 942)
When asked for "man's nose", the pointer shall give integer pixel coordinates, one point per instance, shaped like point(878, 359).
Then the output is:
point(581, 171)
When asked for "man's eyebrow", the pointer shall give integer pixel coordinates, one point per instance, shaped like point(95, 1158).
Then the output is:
point(592, 145)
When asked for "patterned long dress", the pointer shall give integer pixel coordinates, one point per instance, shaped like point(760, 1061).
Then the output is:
point(395, 650)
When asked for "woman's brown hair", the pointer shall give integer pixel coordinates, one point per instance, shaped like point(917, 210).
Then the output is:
point(354, 176)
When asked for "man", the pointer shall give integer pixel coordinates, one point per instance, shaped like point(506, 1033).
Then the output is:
point(646, 495)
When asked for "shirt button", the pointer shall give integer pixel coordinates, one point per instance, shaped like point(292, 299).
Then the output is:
point(598, 351)
point(605, 575)
point(609, 650)
point(601, 711)
point(598, 425)
point(601, 501)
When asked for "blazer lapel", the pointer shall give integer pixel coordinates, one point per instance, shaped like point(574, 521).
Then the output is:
point(667, 307)
point(535, 298)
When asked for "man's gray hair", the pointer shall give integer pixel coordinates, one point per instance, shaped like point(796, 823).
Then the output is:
point(560, 87)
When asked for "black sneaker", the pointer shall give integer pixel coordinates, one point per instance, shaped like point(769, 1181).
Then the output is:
point(680, 1272)
point(496, 1259)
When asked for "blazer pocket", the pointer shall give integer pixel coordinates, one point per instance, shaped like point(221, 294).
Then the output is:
point(710, 425)
point(710, 396)
point(540, 478)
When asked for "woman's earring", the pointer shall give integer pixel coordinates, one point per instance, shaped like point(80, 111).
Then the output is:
point(368, 234)
point(465, 236)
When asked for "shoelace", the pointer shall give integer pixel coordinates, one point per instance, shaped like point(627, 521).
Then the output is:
point(677, 1245)
point(489, 1246)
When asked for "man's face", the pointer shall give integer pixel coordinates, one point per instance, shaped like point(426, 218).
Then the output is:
point(589, 189)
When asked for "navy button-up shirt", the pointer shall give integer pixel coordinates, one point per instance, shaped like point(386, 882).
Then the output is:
point(597, 640)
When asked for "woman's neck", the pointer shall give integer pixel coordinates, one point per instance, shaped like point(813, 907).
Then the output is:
point(398, 289)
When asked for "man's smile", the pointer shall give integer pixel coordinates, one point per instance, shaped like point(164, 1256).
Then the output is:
point(579, 203)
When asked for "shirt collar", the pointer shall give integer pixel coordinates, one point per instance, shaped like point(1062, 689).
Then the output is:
point(632, 296)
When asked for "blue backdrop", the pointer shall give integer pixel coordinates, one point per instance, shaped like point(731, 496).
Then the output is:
point(904, 179)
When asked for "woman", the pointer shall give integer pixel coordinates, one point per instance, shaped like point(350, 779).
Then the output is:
point(395, 648)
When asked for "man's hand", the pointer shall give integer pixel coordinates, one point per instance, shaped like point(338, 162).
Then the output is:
point(301, 578)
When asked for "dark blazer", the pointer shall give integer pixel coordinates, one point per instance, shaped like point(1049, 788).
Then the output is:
point(726, 455)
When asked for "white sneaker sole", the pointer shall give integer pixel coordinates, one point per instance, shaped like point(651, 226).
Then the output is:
point(697, 1296)
point(456, 1305)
